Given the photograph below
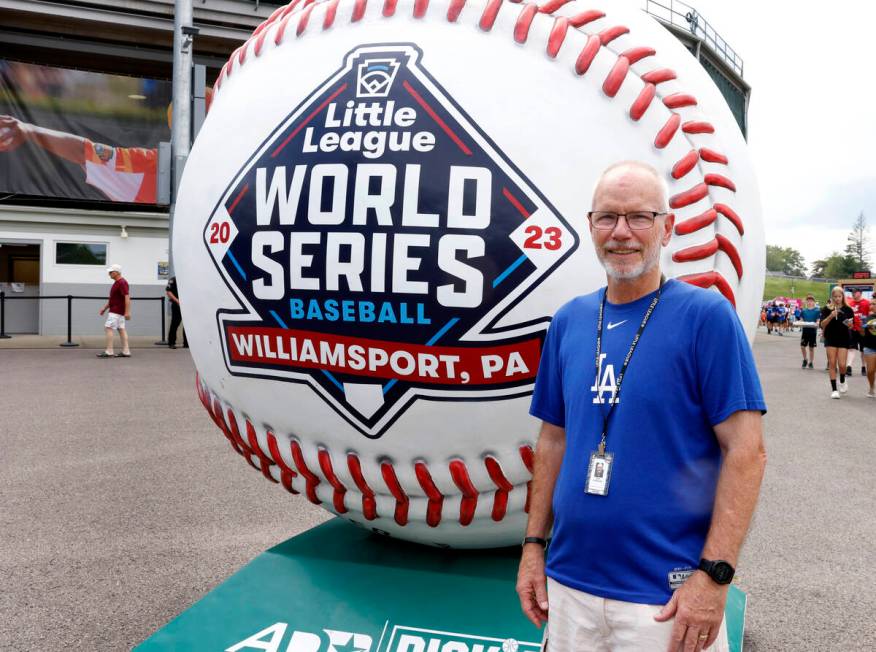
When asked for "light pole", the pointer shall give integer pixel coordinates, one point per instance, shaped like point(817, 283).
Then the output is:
point(181, 132)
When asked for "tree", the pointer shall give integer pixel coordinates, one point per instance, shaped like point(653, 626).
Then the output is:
point(858, 245)
point(786, 260)
point(836, 266)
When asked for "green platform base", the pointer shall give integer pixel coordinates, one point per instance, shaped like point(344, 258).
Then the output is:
point(339, 588)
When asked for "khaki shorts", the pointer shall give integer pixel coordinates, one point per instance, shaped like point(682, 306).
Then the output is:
point(115, 321)
point(580, 621)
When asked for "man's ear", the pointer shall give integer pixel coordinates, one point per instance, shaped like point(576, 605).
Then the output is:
point(668, 225)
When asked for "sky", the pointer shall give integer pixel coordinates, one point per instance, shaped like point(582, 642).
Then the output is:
point(812, 114)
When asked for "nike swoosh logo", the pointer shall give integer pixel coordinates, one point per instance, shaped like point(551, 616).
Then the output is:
point(610, 325)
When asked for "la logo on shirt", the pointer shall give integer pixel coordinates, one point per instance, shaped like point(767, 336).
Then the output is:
point(605, 383)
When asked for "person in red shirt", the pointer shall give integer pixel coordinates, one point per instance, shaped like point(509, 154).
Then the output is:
point(861, 308)
point(119, 307)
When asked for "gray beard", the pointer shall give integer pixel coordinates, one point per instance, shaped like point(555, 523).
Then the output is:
point(648, 263)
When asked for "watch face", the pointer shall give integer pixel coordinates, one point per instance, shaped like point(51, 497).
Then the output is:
point(722, 572)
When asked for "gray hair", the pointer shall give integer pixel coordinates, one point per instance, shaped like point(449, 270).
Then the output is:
point(644, 167)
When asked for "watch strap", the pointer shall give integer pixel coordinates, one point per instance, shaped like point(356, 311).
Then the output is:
point(538, 540)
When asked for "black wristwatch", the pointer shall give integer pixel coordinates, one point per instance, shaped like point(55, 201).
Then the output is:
point(720, 571)
point(538, 540)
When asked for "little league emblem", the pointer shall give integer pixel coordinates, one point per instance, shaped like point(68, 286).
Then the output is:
point(375, 240)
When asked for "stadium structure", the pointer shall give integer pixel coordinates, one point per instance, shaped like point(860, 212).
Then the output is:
point(90, 83)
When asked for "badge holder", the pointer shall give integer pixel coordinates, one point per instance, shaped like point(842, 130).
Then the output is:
point(599, 473)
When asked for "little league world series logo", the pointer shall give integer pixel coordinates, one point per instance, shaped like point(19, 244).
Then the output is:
point(376, 242)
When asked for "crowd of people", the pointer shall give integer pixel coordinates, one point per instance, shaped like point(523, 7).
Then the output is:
point(847, 325)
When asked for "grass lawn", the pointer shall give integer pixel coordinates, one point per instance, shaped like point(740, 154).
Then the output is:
point(776, 286)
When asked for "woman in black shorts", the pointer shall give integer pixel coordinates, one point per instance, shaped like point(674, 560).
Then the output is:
point(836, 322)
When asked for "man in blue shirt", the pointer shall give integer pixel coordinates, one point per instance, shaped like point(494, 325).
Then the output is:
point(653, 385)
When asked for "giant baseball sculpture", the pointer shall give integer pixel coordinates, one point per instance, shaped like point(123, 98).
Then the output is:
point(383, 210)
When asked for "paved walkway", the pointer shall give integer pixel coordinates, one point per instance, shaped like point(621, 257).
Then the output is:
point(122, 504)
point(84, 341)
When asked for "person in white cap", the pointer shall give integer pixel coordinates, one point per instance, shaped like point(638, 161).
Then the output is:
point(119, 307)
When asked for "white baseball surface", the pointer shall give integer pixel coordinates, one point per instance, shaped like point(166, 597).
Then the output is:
point(550, 98)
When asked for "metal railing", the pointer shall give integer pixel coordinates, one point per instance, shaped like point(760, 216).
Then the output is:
point(681, 14)
point(69, 298)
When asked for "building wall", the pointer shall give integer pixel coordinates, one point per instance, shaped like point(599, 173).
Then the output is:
point(139, 255)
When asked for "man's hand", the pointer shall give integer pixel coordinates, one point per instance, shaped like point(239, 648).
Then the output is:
point(101, 311)
point(13, 133)
point(698, 608)
point(127, 316)
point(532, 584)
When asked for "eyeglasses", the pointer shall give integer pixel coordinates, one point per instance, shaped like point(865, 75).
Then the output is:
point(637, 220)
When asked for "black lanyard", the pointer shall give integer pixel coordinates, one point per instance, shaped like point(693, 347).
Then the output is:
point(615, 396)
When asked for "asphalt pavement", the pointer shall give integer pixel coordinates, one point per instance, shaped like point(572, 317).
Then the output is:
point(121, 503)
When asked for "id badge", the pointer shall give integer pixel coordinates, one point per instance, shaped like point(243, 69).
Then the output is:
point(599, 474)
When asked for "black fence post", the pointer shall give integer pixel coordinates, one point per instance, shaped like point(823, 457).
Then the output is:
point(3, 335)
point(69, 341)
point(162, 341)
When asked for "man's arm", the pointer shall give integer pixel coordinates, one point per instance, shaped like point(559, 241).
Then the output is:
point(127, 306)
point(104, 309)
point(172, 297)
point(531, 580)
point(698, 606)
point(15, 133)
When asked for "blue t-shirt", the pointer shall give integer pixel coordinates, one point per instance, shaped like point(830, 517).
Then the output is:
point(811, 314)
point(692, 369)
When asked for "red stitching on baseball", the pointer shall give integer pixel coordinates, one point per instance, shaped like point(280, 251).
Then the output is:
point(643, 101)
point(469, 502)
point(687, 163)
point(303, 20)
point(402, 502)
point(731, 215)
point(230, 426)
point(697, 127)
point(732, 252)
point(666, 133)
point(524, 21)
point(696, 252)
point(488, 18)
point(265, 461)
point(286, 472)
point(454, 10)
point(697, 222)
point(689, 197)
point(712, 156)
point(588, 54)
point(711, 279)
point(420, 7)
point(358, 11)
point(552, 5)
point(616, 76)
point(500, 501)
point(281, 29)
point(325, 463)
point(606, 36)
point(389, 8)
point(659, 76)
point(331, 12)
point(719, 180)
point(557, 36)
point(369, 504)
point(585, 17)
point(679, 101)
point(436, 498)
point(311, 481)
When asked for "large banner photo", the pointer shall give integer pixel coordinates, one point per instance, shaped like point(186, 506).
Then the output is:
point(73, 134)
